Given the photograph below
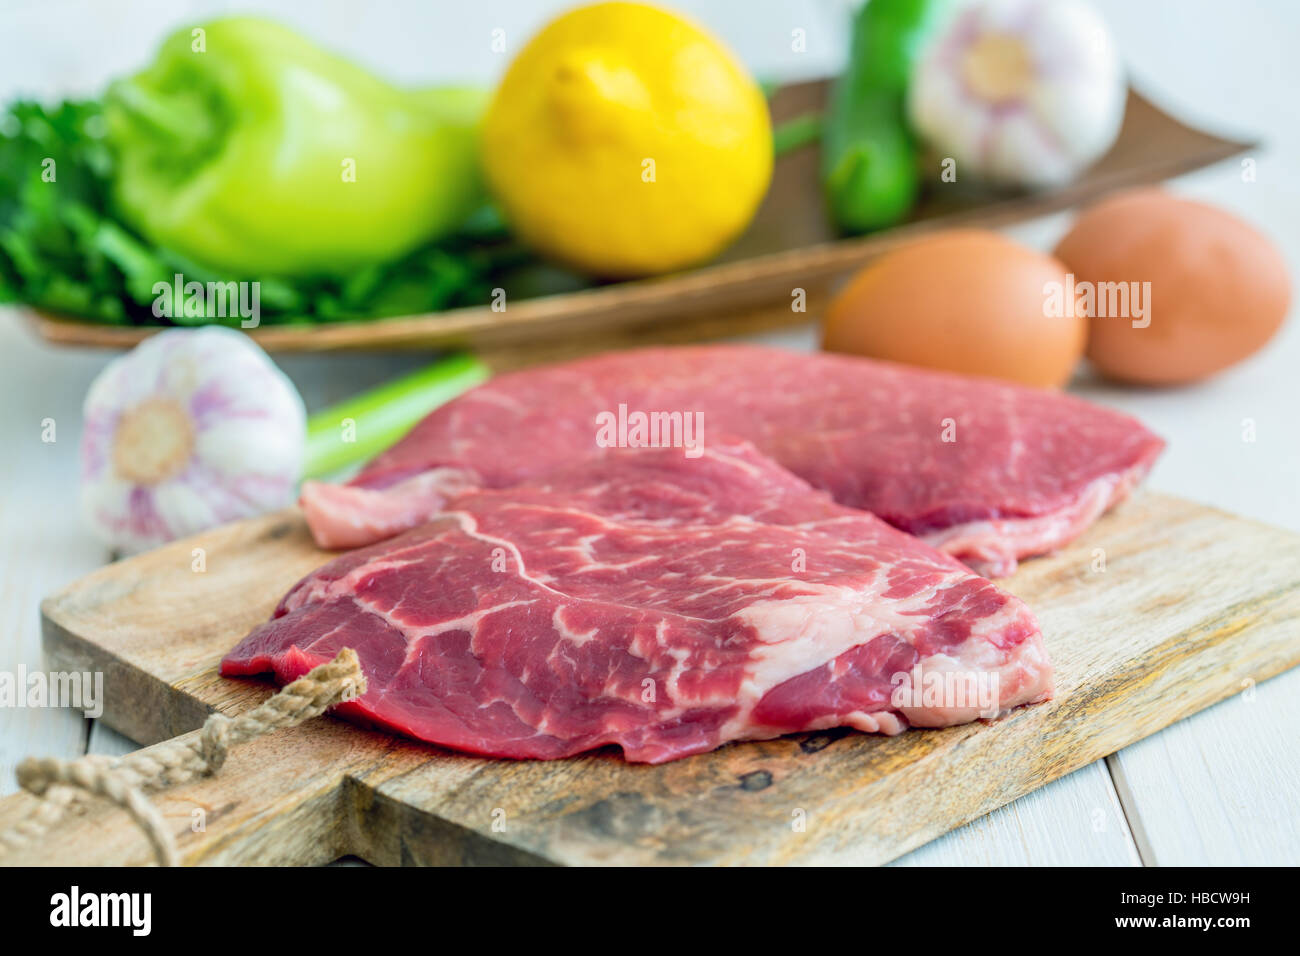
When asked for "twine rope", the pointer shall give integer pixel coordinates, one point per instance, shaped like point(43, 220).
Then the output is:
point(60, 784)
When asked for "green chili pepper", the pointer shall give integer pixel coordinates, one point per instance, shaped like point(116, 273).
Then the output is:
point(247, 148)
point(869, 157)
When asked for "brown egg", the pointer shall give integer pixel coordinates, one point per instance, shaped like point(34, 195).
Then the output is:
point(1218, 289)
point(964, 300)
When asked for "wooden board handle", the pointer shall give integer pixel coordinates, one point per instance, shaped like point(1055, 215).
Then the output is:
point(274, 802)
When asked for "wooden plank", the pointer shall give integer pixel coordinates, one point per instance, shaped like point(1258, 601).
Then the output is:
point(103, 739)
point(1182, 611)
point(790, 244)
point(45, 544)
point(1223, 787)
point(1074, 821)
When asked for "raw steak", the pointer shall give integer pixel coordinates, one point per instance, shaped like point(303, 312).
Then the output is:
point(660, 603)
point(986, 471)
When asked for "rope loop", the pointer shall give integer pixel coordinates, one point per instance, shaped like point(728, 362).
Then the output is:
point(123, 781)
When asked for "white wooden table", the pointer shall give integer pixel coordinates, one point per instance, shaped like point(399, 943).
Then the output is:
point(1222, 787)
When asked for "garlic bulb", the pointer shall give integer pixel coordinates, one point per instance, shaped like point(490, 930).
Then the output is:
point(194, 428)
point(1020, 92)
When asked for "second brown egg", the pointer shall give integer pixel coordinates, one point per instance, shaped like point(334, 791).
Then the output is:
point(967, 301)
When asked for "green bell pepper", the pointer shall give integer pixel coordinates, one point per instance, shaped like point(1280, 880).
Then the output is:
point(247, 148)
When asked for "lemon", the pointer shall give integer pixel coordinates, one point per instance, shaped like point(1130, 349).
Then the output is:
point(625, 140)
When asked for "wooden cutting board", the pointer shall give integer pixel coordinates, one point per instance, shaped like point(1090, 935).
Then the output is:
point(1161, 609)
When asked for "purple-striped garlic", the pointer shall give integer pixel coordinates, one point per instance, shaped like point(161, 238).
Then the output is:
point(191, 429)
point(1019, 92)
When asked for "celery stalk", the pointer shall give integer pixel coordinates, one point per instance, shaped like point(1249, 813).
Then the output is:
point(361, 427)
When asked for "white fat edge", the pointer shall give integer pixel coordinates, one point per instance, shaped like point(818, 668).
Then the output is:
point(839, 620)
point(1018, 674)
point(1000, 537)
point(356, 507)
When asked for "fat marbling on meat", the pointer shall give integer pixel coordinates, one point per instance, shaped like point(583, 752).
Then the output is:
point(660, 603)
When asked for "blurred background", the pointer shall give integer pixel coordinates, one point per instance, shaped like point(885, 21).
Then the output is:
point(1227, 68)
